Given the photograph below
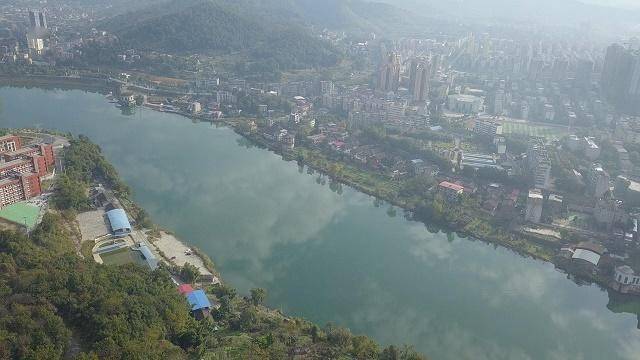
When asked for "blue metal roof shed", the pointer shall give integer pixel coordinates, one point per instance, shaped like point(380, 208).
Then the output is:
point(198, 300)
point(148, 256)
point(119, 222)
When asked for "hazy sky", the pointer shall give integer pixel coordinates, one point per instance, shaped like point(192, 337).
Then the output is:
point(620, 3)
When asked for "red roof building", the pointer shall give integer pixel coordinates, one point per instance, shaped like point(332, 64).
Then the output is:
point(185, 289)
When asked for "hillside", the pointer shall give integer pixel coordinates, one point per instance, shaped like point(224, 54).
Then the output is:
point(270, 30)
point(360, 16)
point(218, 27)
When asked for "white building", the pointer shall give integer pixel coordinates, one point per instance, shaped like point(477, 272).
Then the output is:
point(626, 279)
point(35, 43)
point(591, 149)
point(195, 107)
point(501, 145)
point(534, 206)
point(466, 104)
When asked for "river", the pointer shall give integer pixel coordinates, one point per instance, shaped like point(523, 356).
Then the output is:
point(326, 252)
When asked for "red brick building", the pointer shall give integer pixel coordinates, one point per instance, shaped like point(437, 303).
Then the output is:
point(21, 169)
point(9, 143)
point(17, 188)
point(44, 150)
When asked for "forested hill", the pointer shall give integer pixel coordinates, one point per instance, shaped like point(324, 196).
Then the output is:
point(219, 27)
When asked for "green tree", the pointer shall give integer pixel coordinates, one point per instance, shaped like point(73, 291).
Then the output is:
point(364, 348)
point(248, 319)
point(189, 273)
point(258, 295)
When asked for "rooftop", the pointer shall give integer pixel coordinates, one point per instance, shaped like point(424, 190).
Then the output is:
point(118, 219)
point(451, 186)
point(198, 300)
point(586, 255)
point(535, 194)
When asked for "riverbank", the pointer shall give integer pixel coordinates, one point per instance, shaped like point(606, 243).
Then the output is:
point(62, 82)
point(374, 185)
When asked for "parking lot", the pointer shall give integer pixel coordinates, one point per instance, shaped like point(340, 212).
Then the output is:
point(92, 224)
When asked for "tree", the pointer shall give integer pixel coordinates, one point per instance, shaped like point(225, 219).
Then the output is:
point(248, 319)
point(364, 348)
point(258, 295)
point(390, 353)
point(70, 194)
point(222, 290)
point(338, 336)
point(189, 273)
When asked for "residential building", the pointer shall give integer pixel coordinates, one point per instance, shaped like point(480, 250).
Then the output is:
point(450, 191)
point(195, 108)
point(609, 211)
point(501, 145)
point(9, 143)
point(498, 102)
point(18, 187)
point(620, 79)
point(591, 149)
point(395, 111)
point(465, 104)
point(626, 280)
point(539, 163)
point(487, 127)
point(389, 74)
point(420, 82)
point(534, 206)
point(598, 181)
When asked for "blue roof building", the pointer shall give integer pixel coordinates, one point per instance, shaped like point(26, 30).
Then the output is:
point(200, 305)
point(119, 222)
point(198, 300)
point(147, 255)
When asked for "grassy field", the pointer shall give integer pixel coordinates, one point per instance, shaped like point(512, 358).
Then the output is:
point(549, 132)
point(122, 256)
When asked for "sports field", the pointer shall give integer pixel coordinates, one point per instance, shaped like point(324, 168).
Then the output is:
point(122, 256)
point(549, 132)
point(21, 214)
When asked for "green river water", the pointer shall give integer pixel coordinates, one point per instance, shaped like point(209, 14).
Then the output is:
point(325, 252)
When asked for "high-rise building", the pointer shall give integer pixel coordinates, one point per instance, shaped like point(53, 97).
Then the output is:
point(37, 19)
point(43, 19)
point(584, 73)
point(395, 111)
point(598, 181)
point(420, 83)
point(539, 163)
point(389, 74)
point(620, 81)
point(498, 102)
point(560, 68)
point(33, 19)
